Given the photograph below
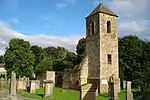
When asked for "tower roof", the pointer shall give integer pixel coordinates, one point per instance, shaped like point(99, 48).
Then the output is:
point(101, 9)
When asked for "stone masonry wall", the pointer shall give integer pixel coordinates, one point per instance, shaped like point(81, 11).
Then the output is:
point(108, 45)
point(93, 47)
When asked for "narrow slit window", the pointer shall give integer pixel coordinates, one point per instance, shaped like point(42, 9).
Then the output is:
point(108, 27)
point(109, 58)
point(93, 27)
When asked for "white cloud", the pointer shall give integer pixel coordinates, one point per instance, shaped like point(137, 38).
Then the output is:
point(42, 40)
point(64, 3)
point(132, 15)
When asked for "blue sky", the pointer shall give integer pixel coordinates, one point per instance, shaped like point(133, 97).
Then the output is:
point(61, 22)
point(55, 17)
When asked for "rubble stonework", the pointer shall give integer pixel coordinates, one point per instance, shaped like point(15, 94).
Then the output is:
point(98, 45)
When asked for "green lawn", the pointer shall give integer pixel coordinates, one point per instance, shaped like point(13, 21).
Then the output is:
point(65, 95)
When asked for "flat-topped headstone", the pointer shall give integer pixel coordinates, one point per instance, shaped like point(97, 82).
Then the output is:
point(13, 84)
point(37, 84)
point(124, 84)
point(48, 90)
point(21, 84)
point(50, 75)
point(113, 88)
point(129, 94)
point(128, 86)
point(28, 82)
point(32, 86)
point(113, 91)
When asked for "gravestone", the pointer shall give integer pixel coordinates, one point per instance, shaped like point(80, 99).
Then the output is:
point(48, 90)
point(124, 84)
point(113, 89)
point(28, 82)
point(49, 84)
point(32, 86)
point(21, 84)
point(13, 84)
point(129, 94)
point(50, 75)
point(37, 82)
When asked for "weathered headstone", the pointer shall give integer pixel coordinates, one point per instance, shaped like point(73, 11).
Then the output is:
point(113, 89)
point(129, 94)
point(32, 86)
point(21, 84)
point(124, 84)
point(13, 84)
point(28, 82)
point(49, 84)
point(50, 75)
point(37, 86)
point(48, 90)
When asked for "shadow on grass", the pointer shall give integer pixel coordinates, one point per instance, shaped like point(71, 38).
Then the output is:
point(104, 95)
point(42, 95)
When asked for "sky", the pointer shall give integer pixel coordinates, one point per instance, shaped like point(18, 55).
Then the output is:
point(62, 22)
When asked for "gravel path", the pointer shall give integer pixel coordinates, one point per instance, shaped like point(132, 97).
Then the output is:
point(4, 95)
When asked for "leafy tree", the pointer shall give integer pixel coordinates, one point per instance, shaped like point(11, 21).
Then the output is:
point(62, 58)
point(143, 80)
point(19, 57)
point(1, 59)
point(45, 65)
point(39, 54)
point(51, 51)
point(80, 50)
point(130, 55)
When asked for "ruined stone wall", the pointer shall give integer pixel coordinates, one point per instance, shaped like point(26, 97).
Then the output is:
point(71, 79)
point(84, 71)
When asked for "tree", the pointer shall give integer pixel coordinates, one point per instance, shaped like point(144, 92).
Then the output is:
point(45, 65)
point(39, 54)
point(80, 50)
point(19, 58)
point(50, 51)
point(62, 58)
point(1, 59)
point(130, 55)
point(144, 78)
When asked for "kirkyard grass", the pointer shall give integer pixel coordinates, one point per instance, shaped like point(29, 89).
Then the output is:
point(65, 94)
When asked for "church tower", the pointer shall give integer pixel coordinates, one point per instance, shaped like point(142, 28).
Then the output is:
point(102, 46)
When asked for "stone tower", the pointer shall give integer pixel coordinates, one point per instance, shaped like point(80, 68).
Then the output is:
point(102, 47)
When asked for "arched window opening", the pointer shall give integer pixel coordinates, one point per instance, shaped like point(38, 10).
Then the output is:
point(108, 27)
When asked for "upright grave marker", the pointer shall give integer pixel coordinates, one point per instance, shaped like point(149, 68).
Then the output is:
point(49, 84)
point(129, 95)
point(13, 84)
